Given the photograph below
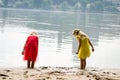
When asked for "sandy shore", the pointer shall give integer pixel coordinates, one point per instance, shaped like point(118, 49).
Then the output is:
point(59, 73)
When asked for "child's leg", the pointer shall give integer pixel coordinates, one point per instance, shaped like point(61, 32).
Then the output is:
point(32, 65)
point(82, 66)
point(84, 63)
point(28, 63)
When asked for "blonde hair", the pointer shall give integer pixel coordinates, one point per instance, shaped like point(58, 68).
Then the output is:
point(33, 33)
point(76, 31)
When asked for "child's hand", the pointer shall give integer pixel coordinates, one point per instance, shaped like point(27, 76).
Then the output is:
point(92, 49)
point(76, 52)
point(23, 52)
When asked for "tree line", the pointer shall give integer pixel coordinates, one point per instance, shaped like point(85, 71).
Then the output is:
point(65, 5)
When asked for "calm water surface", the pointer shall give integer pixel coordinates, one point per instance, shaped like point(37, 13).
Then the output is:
point(57, 46)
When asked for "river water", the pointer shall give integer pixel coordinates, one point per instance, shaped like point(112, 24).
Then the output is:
point(57, 46)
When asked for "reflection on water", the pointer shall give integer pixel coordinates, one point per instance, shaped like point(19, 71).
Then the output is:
point(57, 46)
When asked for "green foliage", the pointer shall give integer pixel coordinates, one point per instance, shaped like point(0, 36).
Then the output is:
point(64, 6)
point(22, 4)
point(83, 5)
point(46, 4)
point(111, 8)
point(4, 3)
point(77, 6)
point(97, 6)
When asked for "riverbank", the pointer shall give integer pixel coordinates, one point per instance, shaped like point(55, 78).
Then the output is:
point(59, 73)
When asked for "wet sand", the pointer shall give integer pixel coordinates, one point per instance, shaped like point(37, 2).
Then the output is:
point(59, 73)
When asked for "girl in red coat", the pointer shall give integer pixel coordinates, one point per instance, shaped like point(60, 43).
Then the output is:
point(30, 50)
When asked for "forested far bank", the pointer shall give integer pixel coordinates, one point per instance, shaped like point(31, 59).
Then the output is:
point(64, 5)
